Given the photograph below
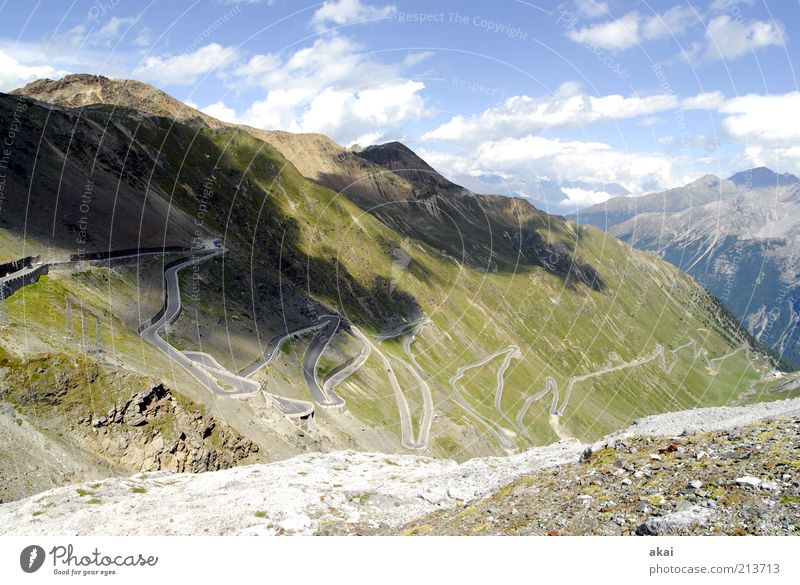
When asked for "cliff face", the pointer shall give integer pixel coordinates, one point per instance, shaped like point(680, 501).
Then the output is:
point(75, 420)
point(154, 431)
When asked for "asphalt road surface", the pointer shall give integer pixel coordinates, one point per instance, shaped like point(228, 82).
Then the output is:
point(318, 344)
point(202, 366)
point(173, 308)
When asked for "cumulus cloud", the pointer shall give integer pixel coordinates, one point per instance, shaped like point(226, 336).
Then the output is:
point(104, 36)
point(763, 118)
point(633, 28)
point(334, 88)
point(111, 30)
point(506, 141)
point(615, 35)
point(14, 74)
point(362, 116)
point(220, 111)
point(729, 39)
point(341, 12)
point(578, 197)
point(186, 68)
point(527, 160)
point(673, 22)
point(568, 108)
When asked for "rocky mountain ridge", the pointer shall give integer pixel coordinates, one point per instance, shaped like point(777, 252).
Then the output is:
point(737, 237)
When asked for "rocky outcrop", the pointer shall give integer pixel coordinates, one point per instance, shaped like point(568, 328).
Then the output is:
point(153, 431)
point(734, 482)
point(643, 481)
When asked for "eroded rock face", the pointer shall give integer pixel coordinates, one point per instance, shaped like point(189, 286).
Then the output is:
point(152, 431)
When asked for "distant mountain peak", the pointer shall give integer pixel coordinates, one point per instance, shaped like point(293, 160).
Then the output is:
point(762, 177)
point(705, 181)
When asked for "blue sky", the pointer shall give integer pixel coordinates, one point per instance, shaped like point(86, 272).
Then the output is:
point(496, 95)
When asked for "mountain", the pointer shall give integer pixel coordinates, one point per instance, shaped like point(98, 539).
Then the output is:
point(620, 209)
point(762, 177)
point(81, 90)
point(470, 324)
point(738, 237)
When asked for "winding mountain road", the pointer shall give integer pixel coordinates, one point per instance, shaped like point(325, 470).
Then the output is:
point(203, 367)
point(274, 345)
point(172, 304)
point(221, 382)
point(503, 436)
point(344, 370)
point(324, 394)
point(329, 398)
point(512, 352)
point(427, 397)
point(407, 439)
point(556, 411)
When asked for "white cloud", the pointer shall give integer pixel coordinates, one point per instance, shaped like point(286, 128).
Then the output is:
point(347, 114)
point(763, 118)
point(615, 35)
point(220, 111)
point(186, 68)
point(703, 101)
point(727, 5)
point(782, 159)
point(578, 197)
point(334, 88)
point(104, 36)
point(526, 160)
point(592, 8)
point(144, 37)
point(673, 22)
point(633, 29)
point(521, 115)
point(341, 12)
point(277, 110)
point(14, 74)
point(332, 61)
point(111, 30)
point(729, 39)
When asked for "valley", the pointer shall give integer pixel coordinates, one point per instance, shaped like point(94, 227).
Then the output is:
point(357, 299)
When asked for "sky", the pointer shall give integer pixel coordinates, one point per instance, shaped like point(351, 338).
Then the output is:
point(509, 96)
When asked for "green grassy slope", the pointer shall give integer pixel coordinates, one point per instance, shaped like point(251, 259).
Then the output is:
point(298, 249)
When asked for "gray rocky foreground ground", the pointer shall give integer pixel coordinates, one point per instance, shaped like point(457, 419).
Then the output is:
point(709, 471)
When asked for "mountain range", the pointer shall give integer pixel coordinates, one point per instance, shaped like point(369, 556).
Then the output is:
point(469, 324)
point(738, 237)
